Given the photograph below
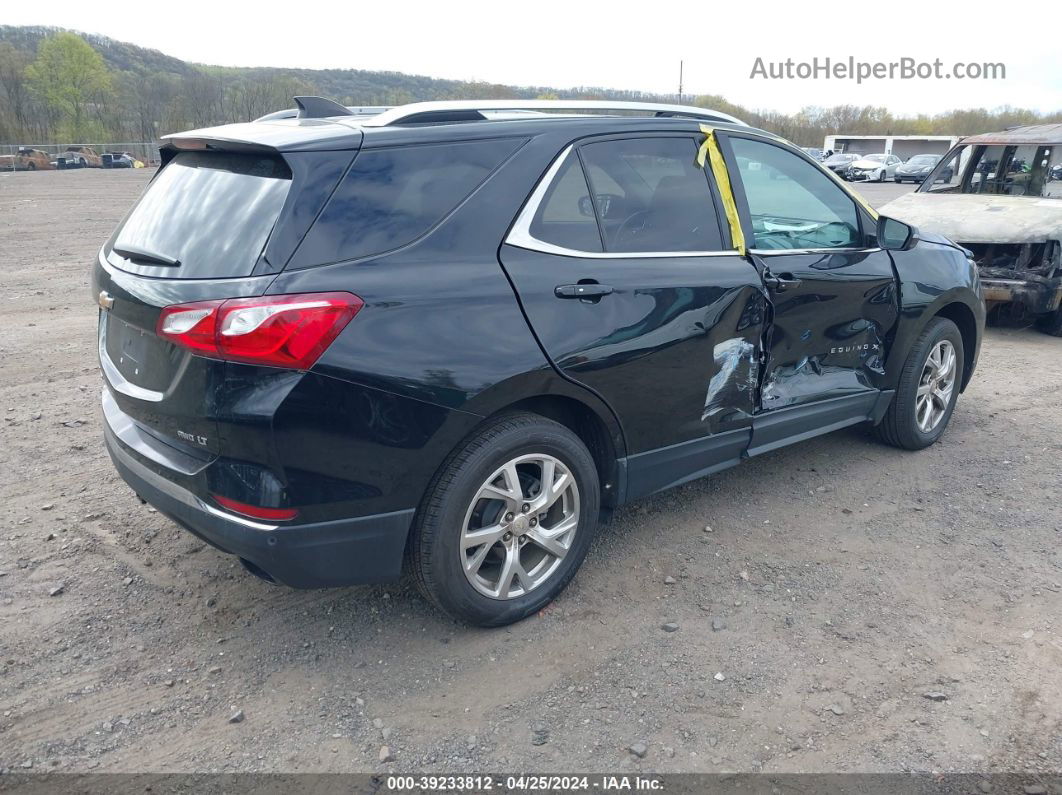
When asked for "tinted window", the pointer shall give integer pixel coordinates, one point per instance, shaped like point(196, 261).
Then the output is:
point(650, 195)
point(211, 211)
point(566, 216)
point(793, 204)
point(391, 197)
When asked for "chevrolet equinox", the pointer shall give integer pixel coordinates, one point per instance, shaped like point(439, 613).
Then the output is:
point(451, 338)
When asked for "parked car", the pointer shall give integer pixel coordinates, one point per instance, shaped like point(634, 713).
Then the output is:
point(918, 168)
point(872, 168)
point(998, 194)
point(814, 153)
point(78, 157)
point(460, 340)
point(118, 160)
point(840, 162)
point(26, 159)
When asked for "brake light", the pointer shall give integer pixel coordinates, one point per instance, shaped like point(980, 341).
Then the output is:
point(255, 511)
point(275, 330)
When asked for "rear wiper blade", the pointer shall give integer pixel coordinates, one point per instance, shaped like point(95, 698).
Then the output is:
point(143, 255)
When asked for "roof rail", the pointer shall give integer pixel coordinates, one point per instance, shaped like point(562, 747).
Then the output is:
point(473, 110)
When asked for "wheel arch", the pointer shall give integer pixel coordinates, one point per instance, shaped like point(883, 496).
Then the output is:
point(592, 430)
point(963, 317)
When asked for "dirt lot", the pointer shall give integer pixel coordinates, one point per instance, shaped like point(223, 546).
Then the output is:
point(853, 607)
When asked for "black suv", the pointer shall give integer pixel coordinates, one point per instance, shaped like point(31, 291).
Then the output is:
point(460, 334)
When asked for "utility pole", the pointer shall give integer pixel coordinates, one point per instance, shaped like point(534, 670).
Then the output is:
point(680, 82)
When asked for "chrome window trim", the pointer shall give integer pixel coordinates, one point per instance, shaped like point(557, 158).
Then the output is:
point(520, 235)
point(771, 252)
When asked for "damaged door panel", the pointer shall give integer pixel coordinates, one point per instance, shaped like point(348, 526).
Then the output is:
point(829, 331)
point(832, 291)
point(627, 278)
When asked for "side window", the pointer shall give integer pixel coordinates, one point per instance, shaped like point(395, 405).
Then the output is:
point(390, 197)
point(566, 216)
point(792, 203)
point(650, 195)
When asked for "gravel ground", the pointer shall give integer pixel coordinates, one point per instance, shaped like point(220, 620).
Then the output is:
point(851, 608)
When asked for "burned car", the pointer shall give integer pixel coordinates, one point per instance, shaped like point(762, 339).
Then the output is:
point(26, 159)
point(1000, 196)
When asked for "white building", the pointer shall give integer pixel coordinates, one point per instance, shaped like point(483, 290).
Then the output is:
point(903, 146)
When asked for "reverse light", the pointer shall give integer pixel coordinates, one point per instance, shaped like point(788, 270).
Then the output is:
point(255, 511)
point(275, 330)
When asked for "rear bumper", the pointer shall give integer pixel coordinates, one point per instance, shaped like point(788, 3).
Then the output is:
point(1036, 295)
point(321, 555)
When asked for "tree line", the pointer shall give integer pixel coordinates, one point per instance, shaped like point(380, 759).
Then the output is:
point(60, 87)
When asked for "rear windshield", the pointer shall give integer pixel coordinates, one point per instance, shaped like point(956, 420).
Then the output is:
point(391, 197)
point(206, 215)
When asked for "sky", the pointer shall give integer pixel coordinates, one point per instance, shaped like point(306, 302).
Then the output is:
point(620, 44)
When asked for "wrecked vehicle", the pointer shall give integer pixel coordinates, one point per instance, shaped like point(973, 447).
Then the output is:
point(453, 339)
point(26, 159)
point(78, 157)
point(1000, 196)
point(872, 168)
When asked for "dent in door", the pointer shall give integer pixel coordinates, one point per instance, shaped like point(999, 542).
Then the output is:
point(736, 365)
point(836, 348)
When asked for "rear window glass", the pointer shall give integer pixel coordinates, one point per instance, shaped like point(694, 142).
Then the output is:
point(391, 197)
point(211, 212)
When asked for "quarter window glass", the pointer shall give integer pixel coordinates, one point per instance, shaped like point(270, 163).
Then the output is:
point(566, 215)
point(650, 195)
point(792, 203)
point(390, 197)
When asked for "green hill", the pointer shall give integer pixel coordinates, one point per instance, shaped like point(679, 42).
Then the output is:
point(141, 94)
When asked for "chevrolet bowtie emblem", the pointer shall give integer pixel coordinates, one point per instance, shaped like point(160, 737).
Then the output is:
point(106, 300)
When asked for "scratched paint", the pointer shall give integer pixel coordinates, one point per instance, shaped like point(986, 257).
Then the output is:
point(736, 372)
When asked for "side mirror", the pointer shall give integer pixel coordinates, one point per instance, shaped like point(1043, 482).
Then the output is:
point(895, 235)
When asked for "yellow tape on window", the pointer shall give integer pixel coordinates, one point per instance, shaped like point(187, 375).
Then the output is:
point(709, 153)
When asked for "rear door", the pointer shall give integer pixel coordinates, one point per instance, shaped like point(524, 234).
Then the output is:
point(832, 290)
point(633, 289)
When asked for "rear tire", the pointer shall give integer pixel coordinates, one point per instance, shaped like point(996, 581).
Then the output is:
point(905, 422)
point(491, 488)
point(1051, 323)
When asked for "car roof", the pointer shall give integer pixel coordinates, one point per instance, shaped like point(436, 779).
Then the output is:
point(346, 132)
point(1032, 134)
point(325, 125)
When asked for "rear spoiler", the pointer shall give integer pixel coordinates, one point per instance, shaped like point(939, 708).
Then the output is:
point(275, 137)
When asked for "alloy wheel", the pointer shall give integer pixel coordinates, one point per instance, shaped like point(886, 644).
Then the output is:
point(519, 526)
point(935, 387)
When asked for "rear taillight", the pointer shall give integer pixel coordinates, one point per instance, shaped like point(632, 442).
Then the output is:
point(275, 330)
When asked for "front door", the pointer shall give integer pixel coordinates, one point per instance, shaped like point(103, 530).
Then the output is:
point(633, 289)
point(832, 290)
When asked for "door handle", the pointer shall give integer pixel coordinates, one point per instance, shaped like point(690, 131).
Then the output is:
point(591, 291)
point(781, 282)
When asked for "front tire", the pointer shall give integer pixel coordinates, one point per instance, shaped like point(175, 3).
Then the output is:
point(492, 542)
point(928, 388)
